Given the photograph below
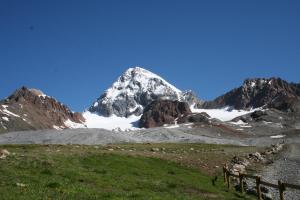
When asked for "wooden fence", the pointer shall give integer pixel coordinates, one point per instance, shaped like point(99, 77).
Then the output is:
point(280, 186)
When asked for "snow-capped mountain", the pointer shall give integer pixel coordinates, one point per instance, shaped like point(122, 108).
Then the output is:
point(133, 91)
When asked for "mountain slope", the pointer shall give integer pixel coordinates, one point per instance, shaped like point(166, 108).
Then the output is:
point(256, 93)
point(133, 91)
point(30, 109)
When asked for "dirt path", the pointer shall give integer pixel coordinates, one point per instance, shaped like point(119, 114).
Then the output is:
point(286, 169)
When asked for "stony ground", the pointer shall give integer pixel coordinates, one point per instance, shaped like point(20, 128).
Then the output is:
point(287, 169)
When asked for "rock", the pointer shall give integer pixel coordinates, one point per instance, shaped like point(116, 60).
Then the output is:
point(195, 118)
point(257, 114)
point(21, 185)
point(162, 112)
point(238, 168)
point(251, 191)
point(239, 161)
point(267, 196)
point(4, 153)
point(154, 149)
point(256, 156)
point(264, 189)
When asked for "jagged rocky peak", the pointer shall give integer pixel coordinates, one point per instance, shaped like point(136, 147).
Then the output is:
point(133, 91)
point(257, 92)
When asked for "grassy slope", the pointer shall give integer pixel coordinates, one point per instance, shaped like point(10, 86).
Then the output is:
point(86, 172)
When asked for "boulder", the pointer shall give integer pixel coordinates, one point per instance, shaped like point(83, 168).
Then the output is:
point(4, 153)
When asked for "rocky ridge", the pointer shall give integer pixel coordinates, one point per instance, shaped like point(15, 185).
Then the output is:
point(259, 92)
point(30, 109)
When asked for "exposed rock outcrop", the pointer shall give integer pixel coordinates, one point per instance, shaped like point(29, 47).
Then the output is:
point(195, 118)
point(162, 112)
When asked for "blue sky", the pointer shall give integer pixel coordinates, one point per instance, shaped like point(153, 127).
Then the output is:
point(74, 50)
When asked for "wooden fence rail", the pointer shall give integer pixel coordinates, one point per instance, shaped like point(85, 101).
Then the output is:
point(279, 186)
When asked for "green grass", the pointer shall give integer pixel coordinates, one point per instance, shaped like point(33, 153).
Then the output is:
point(84, 172)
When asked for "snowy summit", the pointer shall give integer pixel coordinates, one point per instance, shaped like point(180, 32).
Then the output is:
point(133, 90)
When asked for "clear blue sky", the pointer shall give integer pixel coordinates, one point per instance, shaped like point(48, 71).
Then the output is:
point(74, 50)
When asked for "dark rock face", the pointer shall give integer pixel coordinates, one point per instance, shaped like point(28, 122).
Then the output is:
point(33, 110)
point(287, 104)
point(195, 118)
point(273, 92)
point(162, 112)
point(257, 114)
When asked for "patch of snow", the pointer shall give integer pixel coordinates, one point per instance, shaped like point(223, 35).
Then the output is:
point(265, 122)
point(133, 109)
point(245, 126)
point(57, 127)
point(253, 84)
point(223, 114)
point(173, 126)
point(277, 136)
point(7, 112)
point(71, 124)
point(270, 82)
point(240, 122)
point(111, 123)
point(5, 118)
point(188, 124)
point(96, 104)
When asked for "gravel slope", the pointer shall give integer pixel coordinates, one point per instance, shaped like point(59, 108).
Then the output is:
point(178, 134)
point(286, 169)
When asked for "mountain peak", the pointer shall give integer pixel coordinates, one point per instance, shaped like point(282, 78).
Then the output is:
point(28, 109)
point(256, 92)
point(132, 91)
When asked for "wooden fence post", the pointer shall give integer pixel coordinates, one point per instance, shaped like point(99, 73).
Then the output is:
point(224, 172)
point(258, 179)
point(228, 178)
point(241, 176)
point(281, 188)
